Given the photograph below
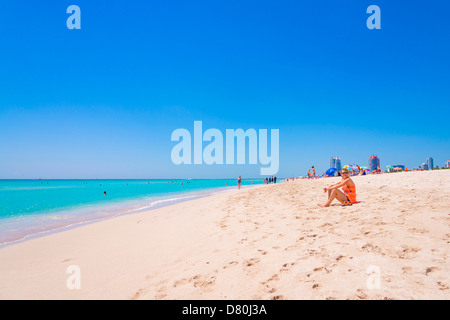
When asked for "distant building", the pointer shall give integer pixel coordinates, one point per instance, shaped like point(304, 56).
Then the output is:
point(401, 166)
point(424, 166)
point(430, 163)
point(374, 162)
point(335, 162)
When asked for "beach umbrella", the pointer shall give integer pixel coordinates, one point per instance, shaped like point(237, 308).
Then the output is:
point(363, 167)
point(331, 171)
point(389, 167)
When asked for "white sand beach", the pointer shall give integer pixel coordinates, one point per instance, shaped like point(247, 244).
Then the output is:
point(265, 242)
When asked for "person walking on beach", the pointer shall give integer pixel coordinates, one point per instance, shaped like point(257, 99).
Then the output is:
point(239, 181)
point(348, 197)
point(309, 173)
point(313, 172)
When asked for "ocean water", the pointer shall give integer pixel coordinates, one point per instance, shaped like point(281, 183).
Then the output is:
point(29, 208)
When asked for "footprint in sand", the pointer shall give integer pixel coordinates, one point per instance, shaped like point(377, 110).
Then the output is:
point(419, 231)
point(272, 278)
point(284, 268)
point(251, 262)
point(290, 247)
point(232, 263)
point(162, 289)
point(406, 270)
point(368, 247)
point(160, 296)
point(442, 286)
point(205, 282)
point(180, 282)
point(408, 252)
point(431, 270)
point(271, 290)
point(242, 241)
point(138, 294)
point(327, 224)
point(198, 281)
point(361, 294)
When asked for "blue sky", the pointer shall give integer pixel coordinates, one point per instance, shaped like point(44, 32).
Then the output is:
point(102, 102)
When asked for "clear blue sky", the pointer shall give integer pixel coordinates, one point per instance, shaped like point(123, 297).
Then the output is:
point(102, 102)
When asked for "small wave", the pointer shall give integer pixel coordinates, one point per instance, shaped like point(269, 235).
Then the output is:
point(41, 223)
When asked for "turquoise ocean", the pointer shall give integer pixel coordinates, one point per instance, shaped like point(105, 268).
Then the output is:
point(30, 208)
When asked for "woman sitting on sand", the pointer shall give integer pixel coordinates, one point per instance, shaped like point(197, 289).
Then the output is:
point(347, 197)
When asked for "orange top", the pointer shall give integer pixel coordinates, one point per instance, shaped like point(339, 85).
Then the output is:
point(350, 192)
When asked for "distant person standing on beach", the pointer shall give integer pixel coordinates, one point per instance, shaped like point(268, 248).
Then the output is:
point(313, 172)
point(274, 179)
point(239, 181)
point(309, 173)
point(347, 197)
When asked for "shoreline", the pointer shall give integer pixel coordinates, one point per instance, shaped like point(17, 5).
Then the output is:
point(125, 209)
point(274, 239)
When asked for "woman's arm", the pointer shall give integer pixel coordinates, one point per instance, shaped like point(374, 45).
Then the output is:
point(332, 185)
point(339, 184)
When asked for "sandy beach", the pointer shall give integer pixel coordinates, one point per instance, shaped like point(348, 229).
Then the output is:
point(265, 242)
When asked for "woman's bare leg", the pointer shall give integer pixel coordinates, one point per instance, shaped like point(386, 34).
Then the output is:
point(334, 194)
